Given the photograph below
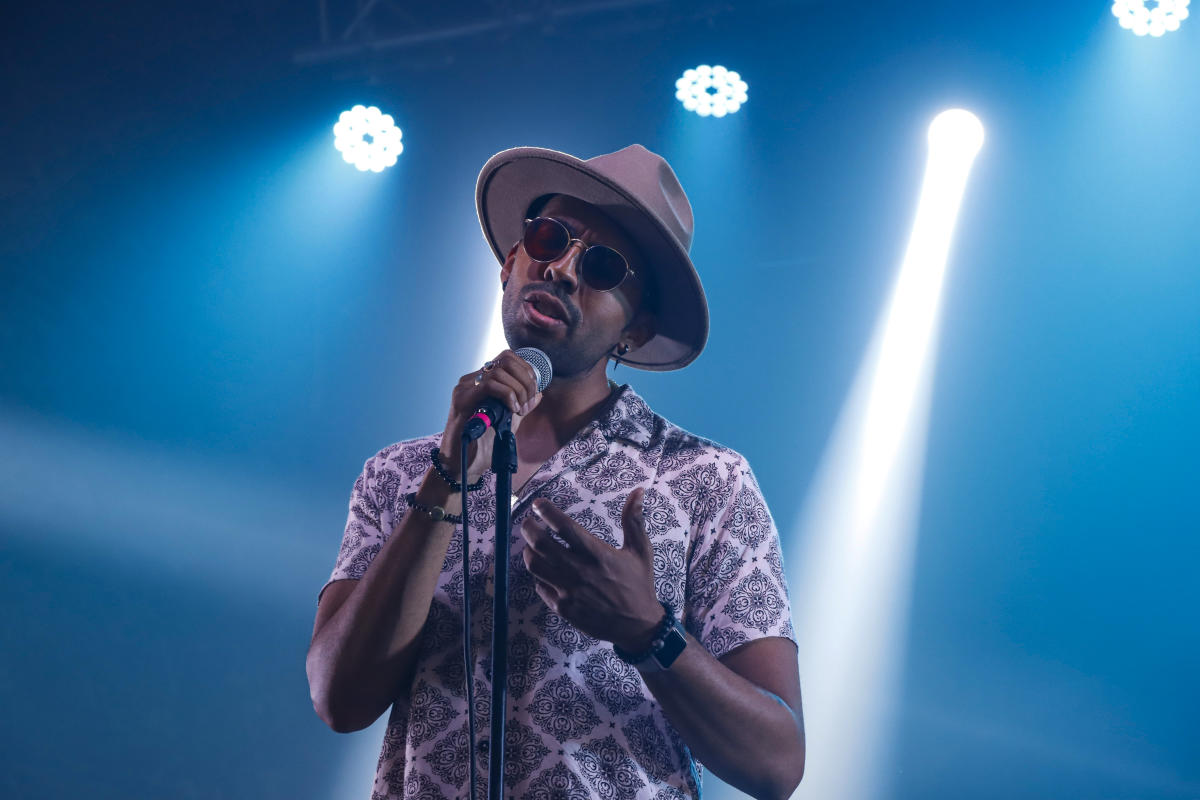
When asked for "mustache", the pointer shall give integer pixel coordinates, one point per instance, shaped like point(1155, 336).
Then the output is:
point(556, 291)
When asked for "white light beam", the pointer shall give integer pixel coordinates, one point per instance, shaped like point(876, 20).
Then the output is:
point(858, 524)
point(495, 341)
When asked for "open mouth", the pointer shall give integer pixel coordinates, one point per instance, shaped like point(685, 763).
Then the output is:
point(544, 311)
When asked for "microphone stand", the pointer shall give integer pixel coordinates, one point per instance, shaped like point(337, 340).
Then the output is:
point(504, 464)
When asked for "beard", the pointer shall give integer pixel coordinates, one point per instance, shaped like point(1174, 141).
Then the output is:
point(571, 355)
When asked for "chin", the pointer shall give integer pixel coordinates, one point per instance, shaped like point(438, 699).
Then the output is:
point(519, 334)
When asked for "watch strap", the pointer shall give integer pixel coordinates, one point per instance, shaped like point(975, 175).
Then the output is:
point(669, 641)
point(674, 641)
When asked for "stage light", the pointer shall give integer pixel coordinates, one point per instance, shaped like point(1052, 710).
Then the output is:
point(367, 138)
point(711, 91)
point(1135, 16)
point(859, 523)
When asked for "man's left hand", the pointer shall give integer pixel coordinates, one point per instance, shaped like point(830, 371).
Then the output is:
point(604, 591)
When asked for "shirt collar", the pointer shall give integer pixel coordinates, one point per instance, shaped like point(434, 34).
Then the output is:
point(625, 416)
point(628, 417)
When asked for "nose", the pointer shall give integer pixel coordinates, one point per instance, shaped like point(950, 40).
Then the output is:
point(565, 268)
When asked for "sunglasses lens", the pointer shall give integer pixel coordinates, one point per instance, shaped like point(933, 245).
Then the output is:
point(603, 268)
point(545, 239)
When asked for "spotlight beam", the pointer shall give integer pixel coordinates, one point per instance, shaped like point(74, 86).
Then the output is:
point(858, 526)
point(495, 341)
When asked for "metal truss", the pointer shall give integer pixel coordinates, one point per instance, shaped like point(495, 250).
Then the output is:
point(372, 30)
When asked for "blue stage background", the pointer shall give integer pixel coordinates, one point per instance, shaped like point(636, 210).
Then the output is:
point(208, 322)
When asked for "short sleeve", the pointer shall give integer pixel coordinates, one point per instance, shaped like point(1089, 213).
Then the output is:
point(737, 590)
point(364, 535)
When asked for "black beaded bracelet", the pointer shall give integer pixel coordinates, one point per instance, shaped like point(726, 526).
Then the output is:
point(436, 513)
point(435, 457)
point(656, 644)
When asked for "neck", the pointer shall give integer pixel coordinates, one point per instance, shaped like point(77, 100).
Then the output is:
point(567, 405)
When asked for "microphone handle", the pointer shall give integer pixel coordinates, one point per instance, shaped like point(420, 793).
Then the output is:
point(490, 412)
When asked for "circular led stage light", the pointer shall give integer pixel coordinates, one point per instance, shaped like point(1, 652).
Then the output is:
point(1166, 15)
point(711, 91)
point(367, 138)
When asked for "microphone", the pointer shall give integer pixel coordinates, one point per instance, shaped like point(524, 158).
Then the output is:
point(492, 411)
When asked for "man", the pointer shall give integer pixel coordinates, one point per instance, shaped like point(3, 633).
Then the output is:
point(622, 523)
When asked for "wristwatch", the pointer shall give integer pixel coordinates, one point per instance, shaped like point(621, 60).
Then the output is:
point(669, 641)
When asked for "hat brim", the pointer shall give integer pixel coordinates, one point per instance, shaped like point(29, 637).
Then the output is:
point(512, 180)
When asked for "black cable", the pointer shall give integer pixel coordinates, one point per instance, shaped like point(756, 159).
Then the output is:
point(468, 661)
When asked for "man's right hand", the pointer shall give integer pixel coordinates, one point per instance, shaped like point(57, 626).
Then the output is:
point(513, 382)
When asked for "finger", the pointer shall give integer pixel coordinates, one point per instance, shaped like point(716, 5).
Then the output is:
point(547, 570)
point(549, 595)
point(530, 404)
point(521, 368)
point(576, 537)
point(539, 539)
point(528, 393)
point(520, 391)
point(633, 522)
point(507, 387)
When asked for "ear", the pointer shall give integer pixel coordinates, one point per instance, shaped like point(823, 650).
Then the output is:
point(506, 268)
point(639, 330)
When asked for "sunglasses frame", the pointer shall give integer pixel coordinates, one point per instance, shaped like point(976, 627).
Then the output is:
point(570, 242)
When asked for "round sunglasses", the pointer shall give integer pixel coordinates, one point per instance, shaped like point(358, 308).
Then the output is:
point(546, 239)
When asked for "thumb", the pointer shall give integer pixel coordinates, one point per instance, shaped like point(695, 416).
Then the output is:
point(633, 522)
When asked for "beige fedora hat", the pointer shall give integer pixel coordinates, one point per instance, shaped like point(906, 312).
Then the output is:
point(639, 191)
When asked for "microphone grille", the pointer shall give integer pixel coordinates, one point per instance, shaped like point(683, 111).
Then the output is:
point(540, 363)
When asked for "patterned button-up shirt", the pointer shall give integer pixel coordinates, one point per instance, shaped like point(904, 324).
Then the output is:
point(581, 722)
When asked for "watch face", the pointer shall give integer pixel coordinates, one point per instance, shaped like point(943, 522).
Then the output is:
point(673, 644)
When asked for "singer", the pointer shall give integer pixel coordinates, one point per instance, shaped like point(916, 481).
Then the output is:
point(649, 625)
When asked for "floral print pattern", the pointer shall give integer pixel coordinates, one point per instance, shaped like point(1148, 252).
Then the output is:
point(581, 723)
